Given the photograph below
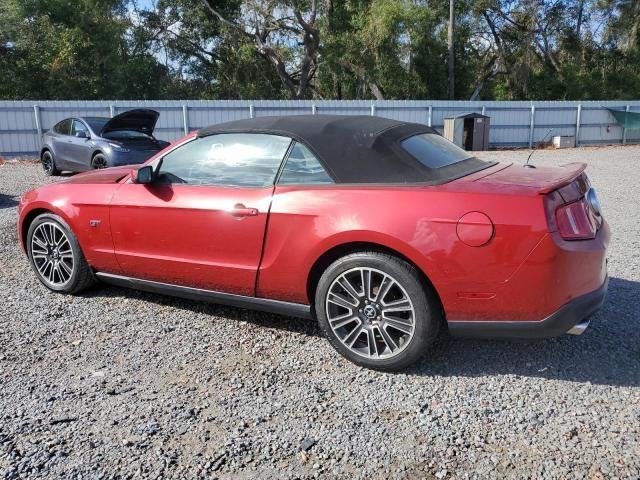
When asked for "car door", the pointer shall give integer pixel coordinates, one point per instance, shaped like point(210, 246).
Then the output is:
point(79, 148)
point(202, 222)
point(59, 143)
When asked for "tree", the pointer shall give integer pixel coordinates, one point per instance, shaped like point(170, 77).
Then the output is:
point(270, 24)
point(298, 49)
point(58, 50)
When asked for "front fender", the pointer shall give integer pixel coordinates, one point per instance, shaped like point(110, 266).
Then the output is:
point(31, 206)
point(85, 208)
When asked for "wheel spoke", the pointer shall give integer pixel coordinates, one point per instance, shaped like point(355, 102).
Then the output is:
point(341, 301)
point(398, 325)
point(389, 342)
point(53, 230)
point(47, 233)
point(384, 287)
point(366, 282)
point(406, 321)
point(371, 343)
point(354, 335)
point(346, 284)
point(67, 269)
point(39, 243)
point(62, 241)
point(342, 320)
point(42, 268)
point(39, 234)
point(52, 271)
point(401, 305)
point(56, 269)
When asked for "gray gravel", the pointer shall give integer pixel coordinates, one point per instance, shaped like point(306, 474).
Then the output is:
point(117, 383)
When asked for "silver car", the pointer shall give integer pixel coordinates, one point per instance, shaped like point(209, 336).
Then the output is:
point(82, 143)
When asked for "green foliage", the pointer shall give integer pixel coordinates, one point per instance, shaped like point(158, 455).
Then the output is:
point(351, 49)
point(56, 49)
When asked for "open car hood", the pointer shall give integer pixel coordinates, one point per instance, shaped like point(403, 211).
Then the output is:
point(141, 120)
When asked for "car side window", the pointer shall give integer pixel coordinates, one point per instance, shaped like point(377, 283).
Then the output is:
point(226, 159)
point(303, 168)
point(63, 127)
point(78, 126)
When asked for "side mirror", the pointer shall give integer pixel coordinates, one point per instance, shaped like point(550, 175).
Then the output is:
point(82, 134)
point(143, 175)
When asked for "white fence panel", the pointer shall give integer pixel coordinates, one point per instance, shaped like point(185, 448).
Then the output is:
point(511, 122)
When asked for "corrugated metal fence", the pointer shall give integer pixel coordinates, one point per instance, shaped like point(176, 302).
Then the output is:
point(513, 124)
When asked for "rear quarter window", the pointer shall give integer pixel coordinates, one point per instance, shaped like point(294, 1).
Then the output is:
point(433, 151)
point(303, 168)
point(63, 127)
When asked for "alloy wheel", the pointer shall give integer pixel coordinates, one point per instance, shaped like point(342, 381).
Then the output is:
point(370, 313)
point(99, 162)
point(47, 162)
point(52, 254)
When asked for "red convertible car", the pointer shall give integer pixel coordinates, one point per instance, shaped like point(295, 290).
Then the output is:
point(381, 230)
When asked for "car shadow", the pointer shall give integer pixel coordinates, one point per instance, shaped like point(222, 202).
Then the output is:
point(608, 353)
point(7, 201)
point(261, 319)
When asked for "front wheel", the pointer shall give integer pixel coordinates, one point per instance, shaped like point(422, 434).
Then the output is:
point(99, 161)
point(55, 255)
point(375, 310)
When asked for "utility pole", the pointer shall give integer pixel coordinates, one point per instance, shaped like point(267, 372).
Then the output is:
point(452, 68)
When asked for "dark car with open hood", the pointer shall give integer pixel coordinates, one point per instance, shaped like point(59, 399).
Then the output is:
point(77, 144)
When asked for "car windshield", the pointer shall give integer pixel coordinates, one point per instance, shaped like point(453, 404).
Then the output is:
point(96, 123)
point(127, 135)
point(433, 151)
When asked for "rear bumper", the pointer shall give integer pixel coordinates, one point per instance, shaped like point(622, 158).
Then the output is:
point(571, 318)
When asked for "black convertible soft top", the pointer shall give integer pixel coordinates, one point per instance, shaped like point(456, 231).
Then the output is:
point(355, 149)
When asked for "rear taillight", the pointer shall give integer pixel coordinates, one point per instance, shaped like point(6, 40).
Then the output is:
point(575, 222)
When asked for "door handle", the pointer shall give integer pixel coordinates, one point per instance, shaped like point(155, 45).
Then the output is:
point(239, 210)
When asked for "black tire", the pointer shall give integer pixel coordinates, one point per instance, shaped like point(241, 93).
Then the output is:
point(49, 164)
point(81, 275)
point(99, 161)
point(426, 310)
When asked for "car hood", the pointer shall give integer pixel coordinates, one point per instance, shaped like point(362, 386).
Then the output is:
point(105, 175)
point(141, 120)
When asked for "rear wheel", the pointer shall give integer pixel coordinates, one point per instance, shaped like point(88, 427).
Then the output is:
point(49, 164)
point(375, 310)
point(55, 255)
point(99, 161)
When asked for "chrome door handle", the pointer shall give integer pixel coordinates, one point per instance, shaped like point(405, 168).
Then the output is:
point(239, 210)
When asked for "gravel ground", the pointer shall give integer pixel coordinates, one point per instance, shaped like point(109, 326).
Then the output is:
point(118, 384)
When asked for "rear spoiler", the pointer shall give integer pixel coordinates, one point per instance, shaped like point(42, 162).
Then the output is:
point(573, 171)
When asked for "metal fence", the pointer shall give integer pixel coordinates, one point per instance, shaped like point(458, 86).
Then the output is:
point(513, 124)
